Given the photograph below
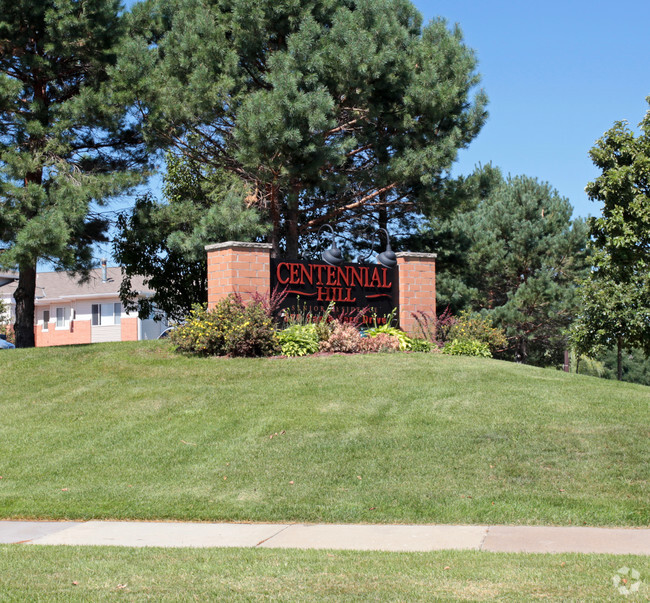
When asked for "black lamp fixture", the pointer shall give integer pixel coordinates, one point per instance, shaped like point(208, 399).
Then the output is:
point(333, 255)
point(387, 258)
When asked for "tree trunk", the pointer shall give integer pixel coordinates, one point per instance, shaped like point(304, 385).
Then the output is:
point(292, 231)
point(274, 235)
point(25, 293)
point(24, 296)
point(382, 220)
point(619, 359)
point(522, 351)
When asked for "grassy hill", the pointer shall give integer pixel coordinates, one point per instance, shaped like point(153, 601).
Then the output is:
point(136, 431)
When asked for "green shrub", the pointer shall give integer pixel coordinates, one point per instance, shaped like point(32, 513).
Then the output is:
point(8, 331)
point(467, 347)
point(231, 328)
point(299, 339)
point(475, 327)
point(5, 327)
point(421, 345)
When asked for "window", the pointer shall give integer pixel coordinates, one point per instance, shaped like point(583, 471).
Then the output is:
point(106, 314)
point(46, 320)
point(62, 317)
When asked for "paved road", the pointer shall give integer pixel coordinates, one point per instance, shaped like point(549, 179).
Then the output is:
point(528, 539)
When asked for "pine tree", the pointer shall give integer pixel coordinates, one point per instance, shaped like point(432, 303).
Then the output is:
point(515, 255)
point(65, 143)
point(330, 110)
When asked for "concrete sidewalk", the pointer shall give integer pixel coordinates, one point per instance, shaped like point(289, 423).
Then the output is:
point(525, 539)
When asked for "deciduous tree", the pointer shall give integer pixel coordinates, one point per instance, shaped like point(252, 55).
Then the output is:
point(616, 297)
point(614, 313)
point(164, 240)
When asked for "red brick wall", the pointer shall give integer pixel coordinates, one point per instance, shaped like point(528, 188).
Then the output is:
point(79, 332)
point(238, 267)
point(129, 329)
point(417, 287)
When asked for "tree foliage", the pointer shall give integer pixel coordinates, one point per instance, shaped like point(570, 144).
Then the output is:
point(328, 111)
point(613, 314)
point(615, 311)
point(164, 240)
point(622, 233)
point(64, 142)
point(635, 366)
point(515, 254)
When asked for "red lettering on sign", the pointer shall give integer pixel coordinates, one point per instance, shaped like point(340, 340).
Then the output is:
point(295, 274)
point(349, 297)
point(320, 269)
point(343, 276)
point(356, 275)
point(335, 294)
point(280, 279)
point(366, 281)
point(306, 274)
point(331, 276)
point(375, 281)
point(386, 285)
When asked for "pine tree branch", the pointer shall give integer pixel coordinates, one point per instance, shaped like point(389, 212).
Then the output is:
point(350, 206)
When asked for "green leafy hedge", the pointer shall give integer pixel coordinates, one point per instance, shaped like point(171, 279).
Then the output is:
point(467, 347)
point(299, 340)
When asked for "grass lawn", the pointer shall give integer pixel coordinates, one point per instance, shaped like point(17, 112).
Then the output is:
point(136, 431)
point(100, 573)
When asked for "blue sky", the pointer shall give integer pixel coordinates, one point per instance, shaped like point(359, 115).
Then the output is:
point(558, 75)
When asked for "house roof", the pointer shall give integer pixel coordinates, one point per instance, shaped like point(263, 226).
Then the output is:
point(7, 276)
point(52, 286)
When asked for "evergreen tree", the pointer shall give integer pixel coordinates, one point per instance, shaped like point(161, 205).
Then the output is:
point(514, 254)
point(340, 111)
point(64, 143)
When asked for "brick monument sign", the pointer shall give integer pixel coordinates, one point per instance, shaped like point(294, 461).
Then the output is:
point(247, 268)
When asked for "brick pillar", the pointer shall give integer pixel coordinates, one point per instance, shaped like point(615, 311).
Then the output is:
point(235, 267)
point(417, 287)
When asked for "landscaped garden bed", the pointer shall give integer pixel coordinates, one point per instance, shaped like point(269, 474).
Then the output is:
point(257, 328)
